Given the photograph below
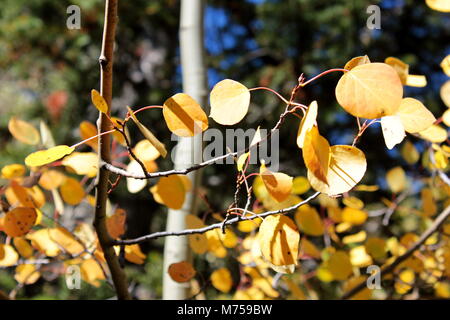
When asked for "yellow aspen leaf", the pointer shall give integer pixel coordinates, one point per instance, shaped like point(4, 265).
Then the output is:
point(405, 281)
point(364, 294)
point(10, 256)
point(308, 121)
point(26, 274)
point(428, 203)
point(88, 130)
point(366, 188)
point(20, 196)
point(51, 179)
point(415, 80)
point(66, 240)
point(335, 214)
point(42, 241)
point(82, 163)
point(148, 135)
point(323, 273)
point(316, 154)
point(43, 157)
point(439, 5)
point(135, 185)
point(169, 191)
point(442, 290)
point(356, 61)
point(399, 66)
point(353, 202)
point(309, 221)
point(376, 247)
point(446, 117)
point(435, 134)
point(445, 65)
point(248, 225)
point(396, 179)
point(229, 102)
point(354, 238)
point(23, 247)
point(98, 101)
point(71, 191)
point(229, 239)
point(393, 130)
point(242, 160)
point(346, 169)
point(300, 185)
point(445, 93)
point(145, 151)
point(359, 257)
point(370, 91)
point(134, 254)
point(340, 265)
point(414, 115)
point(354, 216)
point(46, 135)
point(181, 271)
point(23, 131)
point(91, 272)
point(13, 171)
point(116, 134)
point(184, 116)
point(116, 223)
point(197, 242)
point(215, 245)
point(307, 248)
point(410, 153)
point(279, 239)
point(279, 185)
point(221, 280)
point(19, 221)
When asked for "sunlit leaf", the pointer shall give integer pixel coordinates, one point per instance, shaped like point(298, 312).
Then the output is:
point(42, 241)
point(354, 216)
point(346, 169)
point(309, 221)
point(445, 65)
point(410, 153)
point(393, 130)
point(169, 191)
point(300, 185)
point(27, 274)
point(71, 191)
point(445, 93)
point(229, 102)
point(145, 151)
point(134, 254)
point(88, 130)
point(279, 185)
point(184, 116)
point(414, 115)
point(82, 163)
point(23, 131)
point(12, 171)
point(307, 123)
point(279, 239)
point(98, 101)
point(356, 61)
point(40, 158)
point(316, 154)
point(399, 66)
point(370, 91)
point(435, 134)
point(439, 5)
point(197, 242)
point(396, 179)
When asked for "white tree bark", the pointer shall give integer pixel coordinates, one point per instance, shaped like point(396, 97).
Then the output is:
point(188, 150)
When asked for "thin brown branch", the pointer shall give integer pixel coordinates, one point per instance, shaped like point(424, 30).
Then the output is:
point(438, 222)
point(104, 146)
point(212, 226)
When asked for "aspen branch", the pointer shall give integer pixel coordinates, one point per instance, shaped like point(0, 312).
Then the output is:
point(212, 226)
point(104, 146)
point(438, 222)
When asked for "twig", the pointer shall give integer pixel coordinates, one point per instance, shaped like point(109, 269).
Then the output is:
point(388, 269)
point(212, 226)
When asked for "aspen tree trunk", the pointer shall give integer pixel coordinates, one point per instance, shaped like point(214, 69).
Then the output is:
point(189, 150)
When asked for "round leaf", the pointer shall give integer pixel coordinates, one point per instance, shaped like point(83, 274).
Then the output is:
point(229, 102)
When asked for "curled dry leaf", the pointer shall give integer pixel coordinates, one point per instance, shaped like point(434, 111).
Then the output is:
point(346, 169)
point(43, 157)
point(181, 271)
point(279, 239)
point(23, 131)
point(316, 154)
point(184, 116)
point(370, 91)
point(229, 102)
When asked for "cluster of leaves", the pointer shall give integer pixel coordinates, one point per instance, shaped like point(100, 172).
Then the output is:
point(325, 239)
